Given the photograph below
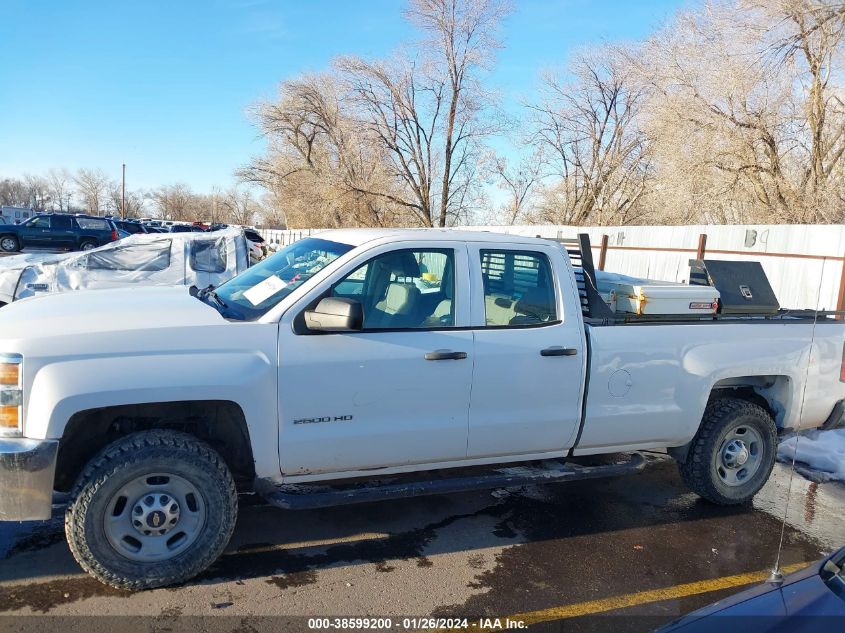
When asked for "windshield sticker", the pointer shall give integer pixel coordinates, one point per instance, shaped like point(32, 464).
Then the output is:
point(264, 290)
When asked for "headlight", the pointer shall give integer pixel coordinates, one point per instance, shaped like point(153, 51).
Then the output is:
point(11, 394)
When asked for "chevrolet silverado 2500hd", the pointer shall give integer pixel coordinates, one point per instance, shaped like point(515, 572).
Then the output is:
point(349, 366)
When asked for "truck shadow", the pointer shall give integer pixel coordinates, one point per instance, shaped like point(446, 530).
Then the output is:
point(650, 512)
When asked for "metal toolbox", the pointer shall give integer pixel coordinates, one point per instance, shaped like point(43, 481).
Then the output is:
point(743, 286)
point(664, 299)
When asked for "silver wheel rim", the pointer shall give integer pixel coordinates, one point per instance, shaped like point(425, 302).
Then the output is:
point(154, 517)
point(87, 246)
point(739, 456)
point(9, 244)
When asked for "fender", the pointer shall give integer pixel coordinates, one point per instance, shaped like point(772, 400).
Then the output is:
point(62, 388)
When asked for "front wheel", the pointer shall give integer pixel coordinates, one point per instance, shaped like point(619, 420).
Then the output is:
point(9, 244)
point(733, 453)
point(153, 509)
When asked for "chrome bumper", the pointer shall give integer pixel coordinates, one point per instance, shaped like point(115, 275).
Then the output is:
point(27, 468)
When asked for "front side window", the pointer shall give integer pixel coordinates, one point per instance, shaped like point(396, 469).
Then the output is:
point(256, 290)
point(518, 288)
point(40, 222)
point(404, 289)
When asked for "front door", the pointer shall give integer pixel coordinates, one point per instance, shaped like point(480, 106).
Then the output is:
point(395, 393)
point(529, 356)
point(36, 232)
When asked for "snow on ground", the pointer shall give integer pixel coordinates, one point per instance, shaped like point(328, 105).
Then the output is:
point(821, 453)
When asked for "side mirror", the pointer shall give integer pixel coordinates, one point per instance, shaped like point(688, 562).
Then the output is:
point(335, 314)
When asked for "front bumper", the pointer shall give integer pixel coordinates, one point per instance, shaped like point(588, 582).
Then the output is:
point(27, 468)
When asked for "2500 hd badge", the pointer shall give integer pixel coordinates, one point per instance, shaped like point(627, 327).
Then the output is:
point(336, 418)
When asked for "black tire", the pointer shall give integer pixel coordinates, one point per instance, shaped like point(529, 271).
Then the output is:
point(701, 470)
point(137, 455)
point(87, 245)
point(6, 242)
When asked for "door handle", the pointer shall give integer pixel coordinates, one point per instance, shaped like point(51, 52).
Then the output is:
point(445, 354)
point(558, 351)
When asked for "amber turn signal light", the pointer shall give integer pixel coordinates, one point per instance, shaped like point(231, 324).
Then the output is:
point(10, 374)
point(9, 417)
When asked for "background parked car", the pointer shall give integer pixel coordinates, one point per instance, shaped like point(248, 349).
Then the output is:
point(257, 245)
point(58, 230)
point(811, 599)
point(199, 259)
point(186, 228)
point(131, 226)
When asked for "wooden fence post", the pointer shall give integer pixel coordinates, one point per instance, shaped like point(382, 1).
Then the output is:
point(840, 300)
point(702, 246)
point(603, 251)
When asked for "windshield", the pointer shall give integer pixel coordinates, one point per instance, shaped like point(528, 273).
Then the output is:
point(255, 291)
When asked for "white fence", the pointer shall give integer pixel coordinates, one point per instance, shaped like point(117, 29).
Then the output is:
point(804, 263)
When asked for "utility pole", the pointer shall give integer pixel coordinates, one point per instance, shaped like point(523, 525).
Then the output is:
point(123, 194)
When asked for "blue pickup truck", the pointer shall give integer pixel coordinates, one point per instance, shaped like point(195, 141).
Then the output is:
point(58, 230)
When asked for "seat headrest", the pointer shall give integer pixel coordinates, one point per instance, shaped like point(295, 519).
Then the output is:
point(401, 265)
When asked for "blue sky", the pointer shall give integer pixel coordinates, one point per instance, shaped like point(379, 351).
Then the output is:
point(164, 86)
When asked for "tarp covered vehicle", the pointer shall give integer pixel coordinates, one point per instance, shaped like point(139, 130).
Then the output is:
point(199, 259)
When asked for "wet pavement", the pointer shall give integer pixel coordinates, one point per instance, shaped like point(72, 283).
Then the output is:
point(468, 555)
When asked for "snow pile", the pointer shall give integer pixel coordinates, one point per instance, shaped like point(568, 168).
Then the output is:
point(823, 452)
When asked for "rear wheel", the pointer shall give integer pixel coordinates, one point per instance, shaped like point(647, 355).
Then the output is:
point(733, 453)
point(87, 245)
point(9, 243)
point(152, 509)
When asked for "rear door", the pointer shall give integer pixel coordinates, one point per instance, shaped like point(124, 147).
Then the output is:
point(62, 234)
point(529, 354)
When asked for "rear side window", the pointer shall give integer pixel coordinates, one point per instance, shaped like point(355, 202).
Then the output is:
point(518, 288)
point(61, 222)
point(151, 256)
point(208, 256)
point(93, 224)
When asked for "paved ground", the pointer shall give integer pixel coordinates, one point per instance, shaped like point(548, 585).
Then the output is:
point(476, 554)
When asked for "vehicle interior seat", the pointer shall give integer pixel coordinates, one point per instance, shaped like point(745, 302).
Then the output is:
point(442, 314)
point(397, 295)
point(535, 306)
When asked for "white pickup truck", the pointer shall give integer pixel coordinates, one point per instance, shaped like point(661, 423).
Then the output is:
point(352, 365)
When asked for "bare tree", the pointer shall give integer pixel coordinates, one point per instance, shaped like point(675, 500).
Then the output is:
point(39, 191)
point(58, 182)
point(134, 200)
point(320, 166)
point(745, 114)
point(519, 182)
point(463, 34)
point(13, 192)
point(386, 142)
point(240, 206)
point(588, 123)
point(174, 202)
point(92, 188)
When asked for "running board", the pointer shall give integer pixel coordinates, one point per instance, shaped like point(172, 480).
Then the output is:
point(308, 496)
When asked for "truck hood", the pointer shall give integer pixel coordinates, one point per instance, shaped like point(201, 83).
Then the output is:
point(113, 310)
